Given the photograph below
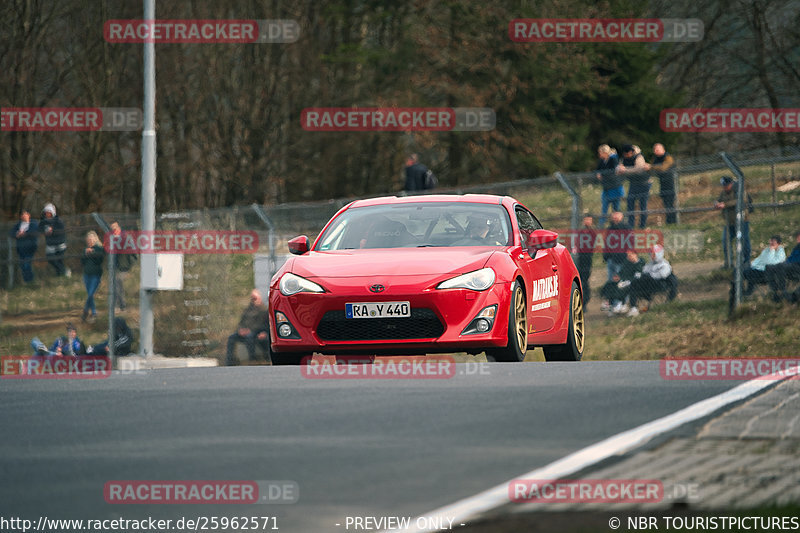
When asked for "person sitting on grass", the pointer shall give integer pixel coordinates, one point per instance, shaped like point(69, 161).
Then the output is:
point(68, 344)
point(756, 273)
point(252, 328)
point(777, 275)
point(123, 340)
point(617, 291)
point(656, 276)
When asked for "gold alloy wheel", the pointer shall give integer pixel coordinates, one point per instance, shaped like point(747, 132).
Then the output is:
point(577, 320)
point(521, 320)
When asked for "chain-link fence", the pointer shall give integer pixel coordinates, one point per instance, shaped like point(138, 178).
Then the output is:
point(198, 317)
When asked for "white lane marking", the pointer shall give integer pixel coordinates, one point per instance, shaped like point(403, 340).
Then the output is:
point(463, 510)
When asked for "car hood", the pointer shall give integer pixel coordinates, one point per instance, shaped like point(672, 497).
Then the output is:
point(391, 262)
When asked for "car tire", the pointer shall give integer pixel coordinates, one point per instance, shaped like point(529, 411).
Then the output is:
point(517, 347)
point(572, 350)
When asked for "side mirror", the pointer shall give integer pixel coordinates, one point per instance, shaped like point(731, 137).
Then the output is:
point(541, 239)
point(299, 245)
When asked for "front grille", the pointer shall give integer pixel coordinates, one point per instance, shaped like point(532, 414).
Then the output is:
point(422, 324)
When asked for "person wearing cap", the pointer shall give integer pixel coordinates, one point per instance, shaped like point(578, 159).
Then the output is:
point(26, 233)
point(613, 191)
point(55, 239)
point(663, 166)
point(68, 344)
point(727, 204)
point(656, 276)
point(634, 167)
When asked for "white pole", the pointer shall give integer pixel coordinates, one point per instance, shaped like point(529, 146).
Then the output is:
point(148, 212)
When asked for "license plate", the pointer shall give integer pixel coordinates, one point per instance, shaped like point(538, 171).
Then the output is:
point(378, 310)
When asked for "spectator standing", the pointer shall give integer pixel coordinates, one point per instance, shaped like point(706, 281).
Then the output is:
point(727, 204)
point(252, 328)
point(789, 269)
point(613, 190)
point(634, 167)
point(584, 252)
point(418, 176)
point(122, 264)
point(613, 252)
point(55, 239)
point(92, 262)
point(663, 166)
point(756, 273)
point(26, 233)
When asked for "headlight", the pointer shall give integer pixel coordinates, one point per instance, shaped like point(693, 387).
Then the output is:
point(480, 280)
point(292, 284)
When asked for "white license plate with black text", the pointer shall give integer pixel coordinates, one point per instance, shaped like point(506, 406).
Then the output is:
point(378, 310)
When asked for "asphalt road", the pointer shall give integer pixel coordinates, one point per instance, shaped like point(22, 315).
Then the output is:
point(354, 447)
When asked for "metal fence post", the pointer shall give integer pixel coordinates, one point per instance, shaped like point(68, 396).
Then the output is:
point(737, 267)
point(268, 223)
point(575, 218)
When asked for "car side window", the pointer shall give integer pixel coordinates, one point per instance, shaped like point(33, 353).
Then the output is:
point(527, 224)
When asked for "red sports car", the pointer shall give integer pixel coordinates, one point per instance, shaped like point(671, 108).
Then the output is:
point(428, 274)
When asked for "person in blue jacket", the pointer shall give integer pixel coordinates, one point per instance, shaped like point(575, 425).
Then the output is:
point(68, 344)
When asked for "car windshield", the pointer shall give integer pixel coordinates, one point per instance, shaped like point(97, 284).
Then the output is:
point(420, 224)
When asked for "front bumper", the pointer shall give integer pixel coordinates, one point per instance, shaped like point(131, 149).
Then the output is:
point(438, 318)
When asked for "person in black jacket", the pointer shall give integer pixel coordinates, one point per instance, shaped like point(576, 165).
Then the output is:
point(122, 264)
point(252, 329)
point(634, 167)
point(614, 247)
point(418, 177)
point(584, 252)
point(92, 261)
point(663, 166)
point(55, 238)
point(26, 233)
point(123, 340)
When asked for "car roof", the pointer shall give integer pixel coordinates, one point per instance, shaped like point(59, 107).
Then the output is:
point(431, 198)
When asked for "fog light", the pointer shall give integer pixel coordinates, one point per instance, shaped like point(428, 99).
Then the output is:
point(482, 322)
point(284, 330)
